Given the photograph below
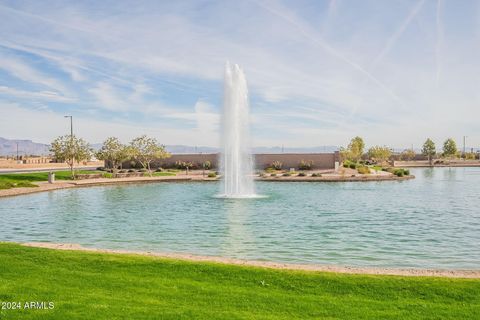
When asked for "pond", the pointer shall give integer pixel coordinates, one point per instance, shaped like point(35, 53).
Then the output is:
point(432, 221)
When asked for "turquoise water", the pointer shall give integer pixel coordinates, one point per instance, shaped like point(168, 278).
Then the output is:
point(432, 221)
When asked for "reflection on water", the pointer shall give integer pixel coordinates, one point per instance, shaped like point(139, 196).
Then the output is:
point(451, 173)
point(428, 172)
point(431, 221)
point(239, 239)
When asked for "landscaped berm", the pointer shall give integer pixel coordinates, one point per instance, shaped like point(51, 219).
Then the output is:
point(88, 285)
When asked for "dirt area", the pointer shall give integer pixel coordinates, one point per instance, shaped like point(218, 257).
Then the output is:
point(12, 164)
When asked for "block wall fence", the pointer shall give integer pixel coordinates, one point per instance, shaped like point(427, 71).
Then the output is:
point(262, 161)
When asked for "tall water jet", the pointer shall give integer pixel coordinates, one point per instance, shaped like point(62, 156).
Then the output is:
point(237, 164)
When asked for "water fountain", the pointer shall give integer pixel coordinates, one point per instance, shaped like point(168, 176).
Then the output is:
point(236, 162)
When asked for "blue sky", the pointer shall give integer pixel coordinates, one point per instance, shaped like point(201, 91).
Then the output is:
point(319, 72)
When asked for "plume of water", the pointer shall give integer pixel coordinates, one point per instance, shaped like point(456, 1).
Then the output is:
point(236, 162)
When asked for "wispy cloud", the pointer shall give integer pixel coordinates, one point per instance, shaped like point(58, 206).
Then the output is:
point(398, 33)
point(439, 41)
point(330, 69)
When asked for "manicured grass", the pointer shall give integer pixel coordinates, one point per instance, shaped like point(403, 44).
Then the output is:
point(105, 286)
point(8, 184)
point(42, 176)
point(17, 180)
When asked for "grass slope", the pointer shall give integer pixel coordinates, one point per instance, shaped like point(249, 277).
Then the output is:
point(16, 180)
point(106, 286)
point(42, 176)
point(23, 180)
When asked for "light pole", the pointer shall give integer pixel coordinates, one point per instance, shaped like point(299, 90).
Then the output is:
point(71, 142)
point(464, 146)
point(71, 125)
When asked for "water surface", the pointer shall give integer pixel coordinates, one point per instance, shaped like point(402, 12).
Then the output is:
point(432, 221)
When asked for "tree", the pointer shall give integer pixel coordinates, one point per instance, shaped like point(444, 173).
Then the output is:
point(429, 150)
point(408, 154)
point(70, 149)
point(449, 148)
point(145, 150)
point(113, 152)
point(380, 154)
point(354, 150)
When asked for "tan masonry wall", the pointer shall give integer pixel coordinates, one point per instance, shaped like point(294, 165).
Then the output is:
point(289, 160)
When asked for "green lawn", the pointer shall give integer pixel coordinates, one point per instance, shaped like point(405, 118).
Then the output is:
point(13, 180)
point(42, 176)
point(16, 180)
point(106, 286)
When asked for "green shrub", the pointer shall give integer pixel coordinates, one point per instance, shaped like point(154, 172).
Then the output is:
point(262, 175)
point(398, 172)
point(131, 170)
point(302, 174)
point(183, 165)
point(470, 156)
point(273, 175)
point(107, 175)
point(207, 165)
point(25, 184)
point(269, 169)
point(159, 170)
point(345, 165)
point(305, 165)
point(316, 175)
point(6, 185)
point(286, 174)
point(363, 169)
point(212, 175)
point(353, 165)
point(277, 165)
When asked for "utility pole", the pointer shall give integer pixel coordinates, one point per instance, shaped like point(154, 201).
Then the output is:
point(464, 146)
point(71, 125)
point(71, 141)
point(17, 151)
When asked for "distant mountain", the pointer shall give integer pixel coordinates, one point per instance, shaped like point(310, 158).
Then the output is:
point(28, 147)
point(25, 147)
point(179, 149)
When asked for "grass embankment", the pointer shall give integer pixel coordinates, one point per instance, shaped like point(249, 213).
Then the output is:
point(17, 180)
point(87, 285)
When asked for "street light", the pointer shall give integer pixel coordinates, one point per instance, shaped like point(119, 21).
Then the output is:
point(71, 125)
point(71, 139)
